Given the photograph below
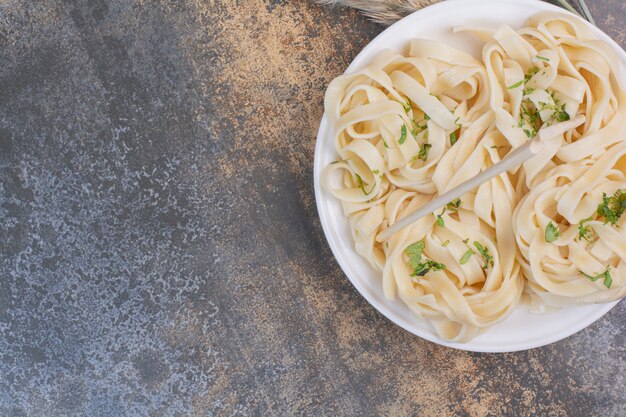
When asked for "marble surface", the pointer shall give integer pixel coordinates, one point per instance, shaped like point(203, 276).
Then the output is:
point(160, 252)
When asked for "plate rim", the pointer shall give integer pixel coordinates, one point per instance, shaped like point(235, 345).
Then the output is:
point(325, 222)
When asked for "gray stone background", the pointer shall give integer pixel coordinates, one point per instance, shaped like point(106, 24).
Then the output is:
point(160, 248)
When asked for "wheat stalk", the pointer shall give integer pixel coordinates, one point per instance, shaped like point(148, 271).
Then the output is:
point(588, 16)
point(387, 12)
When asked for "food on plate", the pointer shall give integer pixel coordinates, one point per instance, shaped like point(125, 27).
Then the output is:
point(411, 126)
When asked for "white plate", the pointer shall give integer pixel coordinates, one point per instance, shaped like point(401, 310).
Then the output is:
point(521, 330)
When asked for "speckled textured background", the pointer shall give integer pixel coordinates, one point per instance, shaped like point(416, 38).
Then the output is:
point(160, 249)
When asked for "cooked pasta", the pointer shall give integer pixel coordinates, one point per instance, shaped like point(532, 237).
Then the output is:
point(409, 127)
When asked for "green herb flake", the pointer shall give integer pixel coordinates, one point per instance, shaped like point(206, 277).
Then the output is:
point(485, 254)
point(385, 142)
point(558, 110)
point(605, 275)
point(543, 58)
point(529, 119)
point(376, 172)
point(531, 73)
point(618, 203)
point(440, 221)
point(402, 135)
point(453, 138)
point(414, 252)
point(604, 210)
point(583, 231)
point(466, 257)
point(517, 84)
point(552, 232)
point(612, 208)
point(424, 268)
point(454, 205)
point(426, 116)
point(417, 127)
point(446, 243)
point(362, 185)
point(561, 115)
point(335, 162)
point(423, 154)
point(407, 106)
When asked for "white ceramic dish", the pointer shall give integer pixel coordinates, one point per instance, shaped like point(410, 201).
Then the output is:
point(521, 330)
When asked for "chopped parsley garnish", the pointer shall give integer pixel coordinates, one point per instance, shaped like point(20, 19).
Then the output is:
point(606, 275)
point(426, 267)
point(485, 254)
point(456, 122)
point(414, 252)
point(385, 142)
point(334, 162)
point(417, 127)
point(529, 118)
point(440, 221)
point(407, 106)
point(552, 232)
point(531, 72)
point(376, 172)
point(446, 243)
point(466, 256)
point(426, 116)
point(604, 210)
point(402, 135)
point(453, 138)
point(454, 205)
point(362, 185)
point(419, 268)
point(423, 154)
point(527, 91)
point(613, 207)
point(558, 109)
point(583, 231)
point(517, 84)
point(543, 58)
point(561, 115)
